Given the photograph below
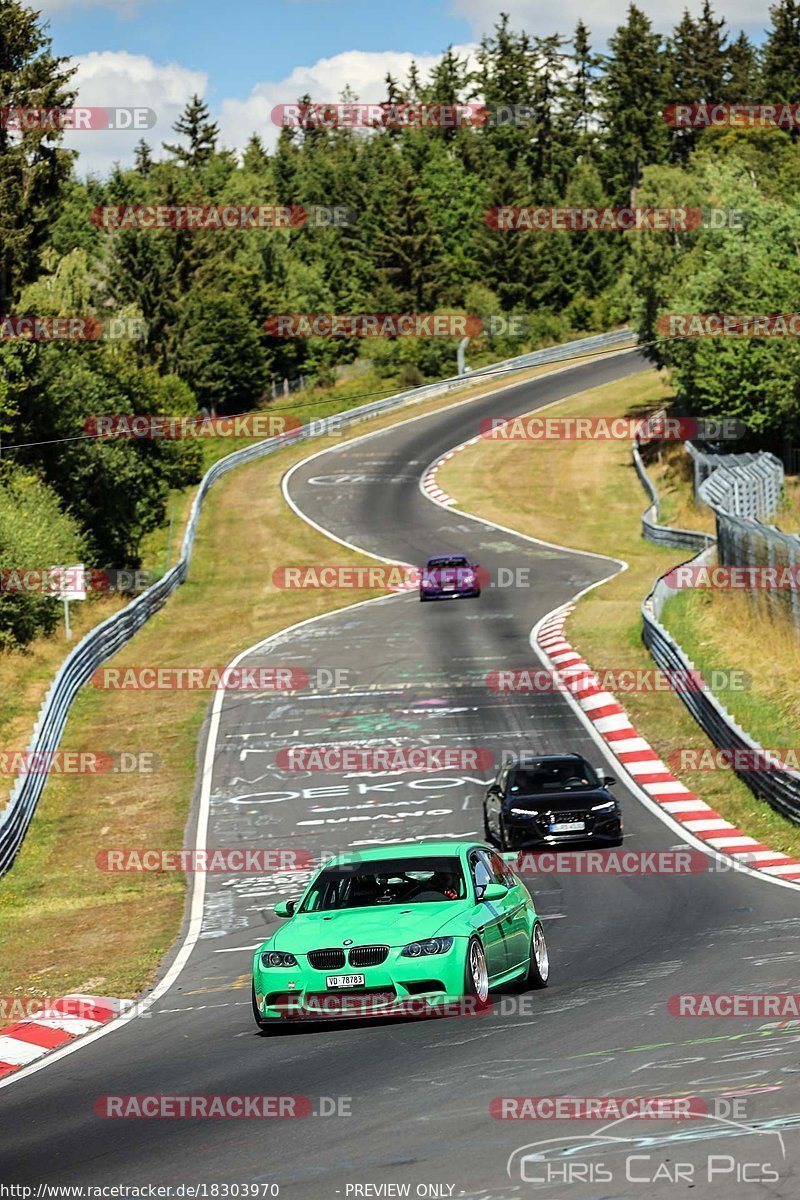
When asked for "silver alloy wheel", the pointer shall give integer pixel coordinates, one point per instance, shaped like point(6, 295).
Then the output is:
point(540, 952)
point(478, 972)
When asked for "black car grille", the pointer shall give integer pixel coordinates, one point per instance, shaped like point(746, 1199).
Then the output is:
point(326, 960)
point(368, 956)
point(583, 815)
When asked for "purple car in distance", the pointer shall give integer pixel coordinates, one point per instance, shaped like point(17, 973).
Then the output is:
point(448, 576)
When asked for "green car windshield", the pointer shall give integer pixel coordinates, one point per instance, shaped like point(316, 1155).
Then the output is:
point(386, 881)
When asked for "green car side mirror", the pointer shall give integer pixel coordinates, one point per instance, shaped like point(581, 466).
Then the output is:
point(494, 891)
point(285, 908)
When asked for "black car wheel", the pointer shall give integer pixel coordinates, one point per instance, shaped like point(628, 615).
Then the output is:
point(539, 961)
point(503, 840)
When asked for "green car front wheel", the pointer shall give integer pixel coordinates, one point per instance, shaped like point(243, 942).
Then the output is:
point(539, 963)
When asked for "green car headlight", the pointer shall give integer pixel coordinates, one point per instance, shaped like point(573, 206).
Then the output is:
point(437, 945)
point(273, 958)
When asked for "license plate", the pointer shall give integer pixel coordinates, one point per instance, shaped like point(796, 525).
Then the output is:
point(567, 826)
point(345, 981)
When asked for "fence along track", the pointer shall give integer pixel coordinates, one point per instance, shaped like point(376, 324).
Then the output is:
point(752, 483)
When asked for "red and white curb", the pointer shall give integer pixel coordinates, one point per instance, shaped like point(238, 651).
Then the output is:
point(641, 762)
point(428, 482)
point(42, 1032)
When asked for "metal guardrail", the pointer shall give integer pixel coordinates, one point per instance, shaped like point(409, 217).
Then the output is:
point(742, 490)
point(757, 485)
point(747, 485)
point(107, 638)
point(664, 535)
point(780, 788)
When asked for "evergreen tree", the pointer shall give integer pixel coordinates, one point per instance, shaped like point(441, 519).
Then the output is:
point(143, 158)
point(742, 75)
point(196, 125)
point(580, 92)
point(633, 92)
point(781, 54)
point(255, 159)
point(33, 167)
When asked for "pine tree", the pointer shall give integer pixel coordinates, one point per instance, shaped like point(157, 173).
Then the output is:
point(408, 249)
point(742, 81)
point(143, 158)
point(33, 167)
point(551, 154)
point(699, 62)
point(781, 54)
point(255, 159)
point(633, 92)
point(580, 96)
point(195, 124)
point(504, 77)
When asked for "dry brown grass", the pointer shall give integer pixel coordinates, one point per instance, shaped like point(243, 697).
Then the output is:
point(670, 468)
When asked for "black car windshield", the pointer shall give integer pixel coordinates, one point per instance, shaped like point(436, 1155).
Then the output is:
point(447, 562)
point(552, 775)
point(386, 881)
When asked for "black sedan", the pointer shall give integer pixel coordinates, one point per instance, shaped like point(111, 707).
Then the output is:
point(551, 800)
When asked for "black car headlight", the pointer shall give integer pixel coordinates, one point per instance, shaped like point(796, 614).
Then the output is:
point(274, 958)
point(436, 945)
point(608, 807)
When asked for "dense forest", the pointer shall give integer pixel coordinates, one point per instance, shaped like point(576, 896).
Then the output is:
point(418, 240)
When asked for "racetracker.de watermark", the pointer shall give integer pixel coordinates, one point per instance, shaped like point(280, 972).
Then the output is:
point(612, 220)
point(296, 115)
point(611, 862)
point(333, 1006)
point(396, 325)
point(775, 1005)
point(157, 859)
point(65, 1009)
point(737, 116)
point(730, 325)
point(330, 577)
point(72, 329)
point(64, 582)
point(78, 762)
point(648, 679)
point(222, 216)
point(733, 579)
point(384, 758)
point(734, 758)
point(162, 425)
point(24, 120)
point(226, 1105)
point(597, 1108)
point(605, 429)
point(178, 679)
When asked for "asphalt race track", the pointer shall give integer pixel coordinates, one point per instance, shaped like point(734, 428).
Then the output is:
point(418, 1092)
